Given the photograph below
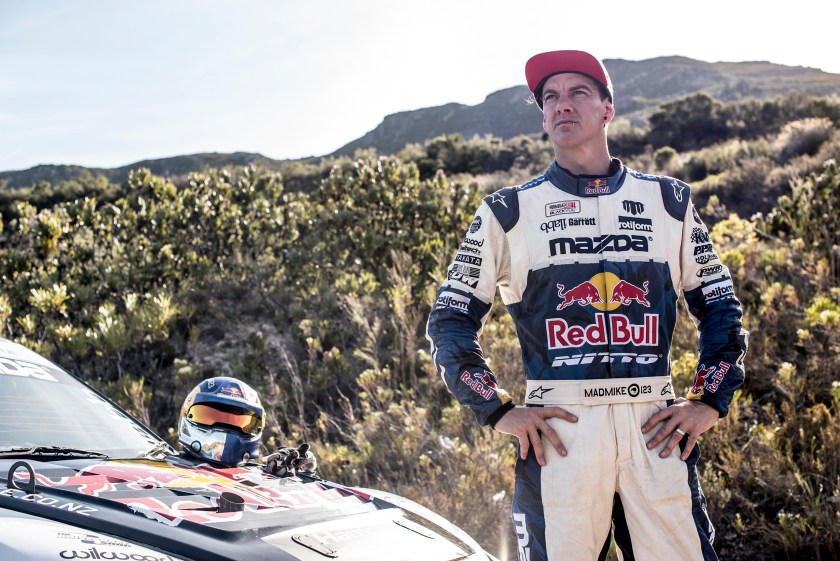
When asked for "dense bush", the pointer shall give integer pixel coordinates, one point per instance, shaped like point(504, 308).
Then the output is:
point(319, 297)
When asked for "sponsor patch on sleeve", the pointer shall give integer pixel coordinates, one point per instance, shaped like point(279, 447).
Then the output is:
point(466, 274)
point(452, 300)
point(718, 291)
point(484, 384)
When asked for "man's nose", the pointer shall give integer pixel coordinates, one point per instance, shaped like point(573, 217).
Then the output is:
point(563, 104)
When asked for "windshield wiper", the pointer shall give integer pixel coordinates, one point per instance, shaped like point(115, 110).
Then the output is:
point(50, 452)
point(160, 447)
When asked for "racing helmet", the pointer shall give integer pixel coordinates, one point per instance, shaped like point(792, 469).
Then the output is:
point(222, 420)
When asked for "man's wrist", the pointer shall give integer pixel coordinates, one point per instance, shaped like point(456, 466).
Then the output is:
point(497, 415)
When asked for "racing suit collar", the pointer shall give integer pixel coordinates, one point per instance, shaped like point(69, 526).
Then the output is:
point(587, 185)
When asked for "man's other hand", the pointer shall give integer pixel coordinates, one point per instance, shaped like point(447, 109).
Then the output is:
point(683, 419)
point(527, 423)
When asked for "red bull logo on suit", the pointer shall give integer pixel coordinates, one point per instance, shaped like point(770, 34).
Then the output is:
point(594, 292)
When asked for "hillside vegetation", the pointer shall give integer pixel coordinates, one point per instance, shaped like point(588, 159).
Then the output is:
point(314, 286)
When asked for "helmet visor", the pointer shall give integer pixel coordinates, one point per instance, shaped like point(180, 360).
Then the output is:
point(246, 421)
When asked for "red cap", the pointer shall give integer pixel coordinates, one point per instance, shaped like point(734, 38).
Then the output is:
point(544, 65)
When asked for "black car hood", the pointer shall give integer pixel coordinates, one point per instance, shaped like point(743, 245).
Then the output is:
point(179, 507)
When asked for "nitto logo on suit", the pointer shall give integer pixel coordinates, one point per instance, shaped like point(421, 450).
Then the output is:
point(604, 358)
point(562, 207)
point(476, 225)
point(635, 224)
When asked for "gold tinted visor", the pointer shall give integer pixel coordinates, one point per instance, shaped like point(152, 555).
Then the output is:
point(245, 421)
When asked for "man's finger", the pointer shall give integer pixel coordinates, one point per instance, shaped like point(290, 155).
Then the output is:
point(667, 430)
point(524, 446)
point(689, 446)
point(553, 437)
point(670, 445)
point(656, 418)
point(536, 442)
point(558, 412)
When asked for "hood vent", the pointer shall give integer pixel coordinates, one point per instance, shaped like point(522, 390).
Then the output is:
point(315, 545)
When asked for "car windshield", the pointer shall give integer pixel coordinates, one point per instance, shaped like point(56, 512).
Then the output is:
point(43, 406)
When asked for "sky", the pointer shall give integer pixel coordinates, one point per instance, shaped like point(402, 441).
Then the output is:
point(104, 83)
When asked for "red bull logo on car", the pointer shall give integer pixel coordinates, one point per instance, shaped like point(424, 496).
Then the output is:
point(604, 292)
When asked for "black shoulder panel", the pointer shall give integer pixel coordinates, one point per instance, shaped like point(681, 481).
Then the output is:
point(676, 196)
point(505, 206)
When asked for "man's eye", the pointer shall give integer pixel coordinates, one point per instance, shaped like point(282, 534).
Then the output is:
point(549, 97)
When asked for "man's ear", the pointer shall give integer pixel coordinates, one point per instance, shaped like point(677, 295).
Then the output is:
point(609, 113)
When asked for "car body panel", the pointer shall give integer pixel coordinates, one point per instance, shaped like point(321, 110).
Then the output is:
point(55, 503)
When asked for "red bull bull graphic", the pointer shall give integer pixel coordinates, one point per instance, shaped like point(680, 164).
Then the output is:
point(583, 294)
point(593, 292)
point(626, 293)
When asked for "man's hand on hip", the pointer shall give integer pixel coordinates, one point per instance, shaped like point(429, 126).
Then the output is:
point(526, 424)
point(683, 419)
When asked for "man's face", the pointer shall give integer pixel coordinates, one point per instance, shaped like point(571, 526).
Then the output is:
point(573, 112)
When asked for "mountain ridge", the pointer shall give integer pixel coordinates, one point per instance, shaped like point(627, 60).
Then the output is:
point(641, 87)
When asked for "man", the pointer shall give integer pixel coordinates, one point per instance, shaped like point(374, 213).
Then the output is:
point(222, 421)
point(589, 259)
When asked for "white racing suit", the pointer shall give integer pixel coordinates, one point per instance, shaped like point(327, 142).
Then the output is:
point(590, 269)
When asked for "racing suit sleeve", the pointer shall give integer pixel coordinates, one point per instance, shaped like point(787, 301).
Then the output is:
point(458, 316)
point(716, 312)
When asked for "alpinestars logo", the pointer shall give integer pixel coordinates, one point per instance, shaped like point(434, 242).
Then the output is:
point(539, 392)
point(678, 190)
point(599, 244)
point(498, 198)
